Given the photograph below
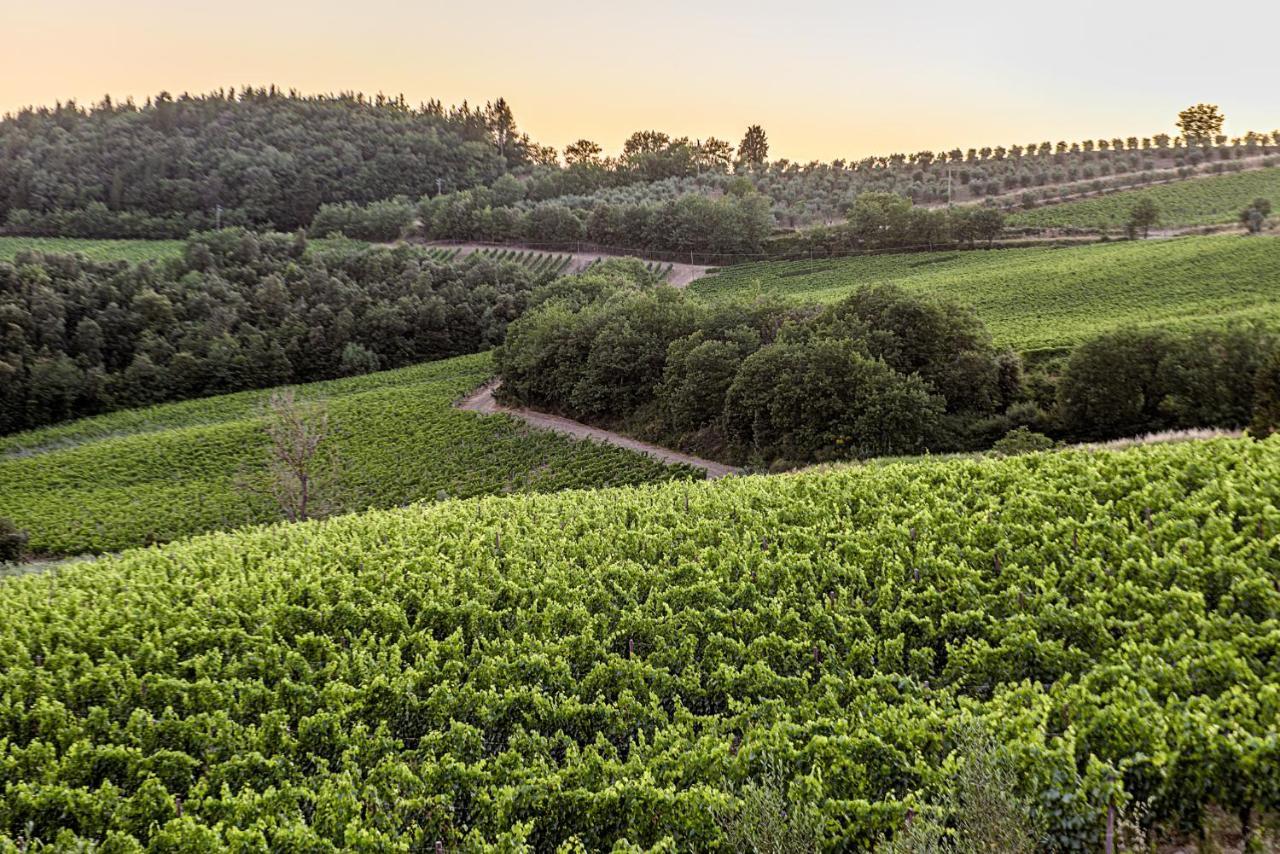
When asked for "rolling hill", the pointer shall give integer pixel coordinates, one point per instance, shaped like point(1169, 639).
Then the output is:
point(1202, 201)
point(161, 473)
point(1046, 298)
point(652, 666)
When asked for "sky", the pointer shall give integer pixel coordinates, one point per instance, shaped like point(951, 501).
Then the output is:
point(826, 79)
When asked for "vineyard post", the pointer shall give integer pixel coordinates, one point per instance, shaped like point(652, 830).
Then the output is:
point(1111, 825)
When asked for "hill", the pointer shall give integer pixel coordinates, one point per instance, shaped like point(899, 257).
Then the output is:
point(259, 157)
point(1202, 201)
point(169, 471)
point(662, 664)
point(1043, 298)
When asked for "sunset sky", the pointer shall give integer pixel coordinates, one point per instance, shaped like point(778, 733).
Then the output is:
point(826, 79)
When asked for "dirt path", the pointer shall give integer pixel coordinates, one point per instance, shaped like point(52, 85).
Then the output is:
point(679, 277)
point(482, 401)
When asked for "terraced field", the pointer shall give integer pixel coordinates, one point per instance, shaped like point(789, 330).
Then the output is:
point(1199, 201)
point(169, 471)
point(1045, 298)
point(629, 670)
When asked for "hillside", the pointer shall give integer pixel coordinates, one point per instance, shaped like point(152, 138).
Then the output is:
point(1201, 201)
point(261, 157)
point(169, 471)
point(654, 664)
point(1041, 298)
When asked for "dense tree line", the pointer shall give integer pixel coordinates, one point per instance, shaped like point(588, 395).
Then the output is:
point(734, 225)
point(879, 373)
point(257, 157)
point(236, 311)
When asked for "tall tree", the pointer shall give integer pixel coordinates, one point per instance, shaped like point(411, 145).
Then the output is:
point(1201, 123)
point(1145, 214)
point(754, 148)
point(502, 126)
point(584, 151)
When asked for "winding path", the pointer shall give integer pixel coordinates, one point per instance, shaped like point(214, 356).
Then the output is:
point(482, 401)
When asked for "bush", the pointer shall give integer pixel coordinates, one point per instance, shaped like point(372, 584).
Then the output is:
point(1021, 440)
point(13, 541)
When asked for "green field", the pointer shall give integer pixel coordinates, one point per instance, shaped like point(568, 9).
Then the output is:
point(96, 250)
point(1199, 201)
point(1043, 298)
point(157, 474)
point(600, 666)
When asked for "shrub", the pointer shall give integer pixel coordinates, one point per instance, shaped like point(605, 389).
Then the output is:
point(1022, 440)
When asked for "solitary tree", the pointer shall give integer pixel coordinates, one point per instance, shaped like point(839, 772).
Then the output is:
point(1255, 216)
point(299, 477)
point(1200, 124)
point(1145, 214)
point(583, 151)
point(754, 148)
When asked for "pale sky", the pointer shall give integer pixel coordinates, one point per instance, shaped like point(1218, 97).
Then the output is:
point(826, 79)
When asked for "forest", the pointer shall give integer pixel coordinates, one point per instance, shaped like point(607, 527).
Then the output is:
point(236, 311)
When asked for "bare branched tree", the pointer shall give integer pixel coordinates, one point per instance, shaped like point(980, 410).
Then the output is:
point(300, 470)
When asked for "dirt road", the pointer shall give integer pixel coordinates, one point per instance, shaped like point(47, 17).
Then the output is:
point(482, 401)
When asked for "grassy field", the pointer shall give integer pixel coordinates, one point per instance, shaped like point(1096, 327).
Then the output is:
point(96, 250)
point(1044, 298)
point(628, 664)
point(1200, 201)
point(169, 471)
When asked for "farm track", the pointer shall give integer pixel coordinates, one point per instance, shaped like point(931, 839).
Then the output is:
point(483, 402)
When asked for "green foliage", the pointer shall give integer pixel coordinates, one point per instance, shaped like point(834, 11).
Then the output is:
point(257, 157)
point(871, 375)
point(95, 250)
point(378, 221)
point(1210, 200)
point(158, 474)
point(1266, 402)
point(1145, 213)
point(1041, 298)
point(1254, 217)
point(235, 311)
point(825, 399)
point(623, 665)
point(1022, 440)
point(764, 820)
point(1135, 381)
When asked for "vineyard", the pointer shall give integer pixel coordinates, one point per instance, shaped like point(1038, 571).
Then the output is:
point(153, 475)
point(95, 250)
point(656, 268)
point(1203, 201)
point(1045, 297)
point(548, 263)
point(624, 669)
